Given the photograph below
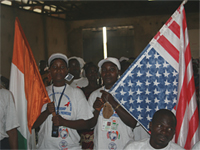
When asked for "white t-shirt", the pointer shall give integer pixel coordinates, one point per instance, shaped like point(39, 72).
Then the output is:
point(81, 82)
point(140, 133)
point(109, 133)
point(145, 145)
point(73, 106)
point(8, 117)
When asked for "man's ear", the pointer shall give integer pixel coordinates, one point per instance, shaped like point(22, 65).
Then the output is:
point(150, 126)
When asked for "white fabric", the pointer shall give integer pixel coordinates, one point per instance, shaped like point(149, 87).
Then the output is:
point(81, 82)
point(80, 60)
point(109, 59)
point(8, 117)
point(110, 139)
point(196, 146)
point(57, 55)
point(140, 133)
point(144, 145)
point(73, 106)
point(123, 58)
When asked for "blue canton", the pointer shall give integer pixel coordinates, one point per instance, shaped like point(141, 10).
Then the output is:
point(149, 84)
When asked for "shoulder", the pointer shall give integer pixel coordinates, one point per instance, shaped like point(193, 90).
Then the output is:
point(94, 95)
point(136, 144)
point(75, 92)
point(74, 89)
point(175, 146)
point(5, 94)
point(84, 79)
point(5, 91)
point(97, 91)
point(49, 87)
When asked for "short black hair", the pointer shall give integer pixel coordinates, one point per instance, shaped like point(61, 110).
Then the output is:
point(164, 112)
point(89, 65)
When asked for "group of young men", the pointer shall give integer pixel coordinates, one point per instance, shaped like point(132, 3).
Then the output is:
point(114, 127)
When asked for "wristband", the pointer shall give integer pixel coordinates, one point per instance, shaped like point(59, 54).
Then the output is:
point(117, 107)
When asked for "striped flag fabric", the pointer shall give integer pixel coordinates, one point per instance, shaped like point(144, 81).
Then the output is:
point(161, 77)
point(26, 85)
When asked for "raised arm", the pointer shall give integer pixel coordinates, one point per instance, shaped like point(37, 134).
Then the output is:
point(122, 113)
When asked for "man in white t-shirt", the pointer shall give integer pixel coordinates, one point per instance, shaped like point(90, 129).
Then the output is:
point(115, 125)
point(162, 129)
point(70, 105)
point(76, 69)
point(9, 121)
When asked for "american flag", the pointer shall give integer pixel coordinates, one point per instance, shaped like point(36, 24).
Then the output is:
point(162, 77)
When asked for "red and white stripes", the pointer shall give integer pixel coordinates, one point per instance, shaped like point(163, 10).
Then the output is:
point(186, 109)
point(172, 42)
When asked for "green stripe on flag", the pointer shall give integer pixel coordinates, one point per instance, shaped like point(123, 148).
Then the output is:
point(22, 142)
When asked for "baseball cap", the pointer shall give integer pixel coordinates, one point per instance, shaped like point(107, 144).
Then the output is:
point(110, 59)
point(56, 56)
point(80, 60)
point(123, 58)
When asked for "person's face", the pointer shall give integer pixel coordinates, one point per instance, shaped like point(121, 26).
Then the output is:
point(92, 73)
point(58, 71)
point(162, 131)
point(74, 67)
point(109, 74)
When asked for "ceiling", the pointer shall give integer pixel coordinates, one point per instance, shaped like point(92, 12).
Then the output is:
point(81, 10)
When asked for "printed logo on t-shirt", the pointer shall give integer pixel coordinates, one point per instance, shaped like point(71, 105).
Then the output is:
point(63, 144)
point(65, 108)
point(63, 132)
point(112, 135)
point(67, 104)
point(112, 146)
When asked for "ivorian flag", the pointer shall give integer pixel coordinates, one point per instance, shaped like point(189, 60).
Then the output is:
point(26, 85)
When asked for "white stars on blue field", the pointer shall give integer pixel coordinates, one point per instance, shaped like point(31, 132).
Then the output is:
point(149, 84)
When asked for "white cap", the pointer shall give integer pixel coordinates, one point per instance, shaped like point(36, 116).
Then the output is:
point(56, 56)
point(110, 59)
point(80, 60)
point(123, 58)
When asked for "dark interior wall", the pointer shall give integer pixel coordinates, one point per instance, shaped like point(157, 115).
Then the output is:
point(48, 35)
point(145, 28)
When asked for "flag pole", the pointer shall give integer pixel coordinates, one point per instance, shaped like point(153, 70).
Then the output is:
point(184, 2)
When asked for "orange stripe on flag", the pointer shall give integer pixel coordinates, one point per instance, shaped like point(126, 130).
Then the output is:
point(35, 91)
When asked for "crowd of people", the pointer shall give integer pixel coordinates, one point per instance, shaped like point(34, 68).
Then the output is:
point(82, 113)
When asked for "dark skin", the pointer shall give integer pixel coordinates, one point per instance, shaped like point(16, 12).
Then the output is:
point(92, 76)
point(109, 73)
point(162, 129)
point(74, 68)
point(58, 71)
point(13, 140)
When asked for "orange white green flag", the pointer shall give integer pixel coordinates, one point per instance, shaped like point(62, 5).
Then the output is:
point(26, 85)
